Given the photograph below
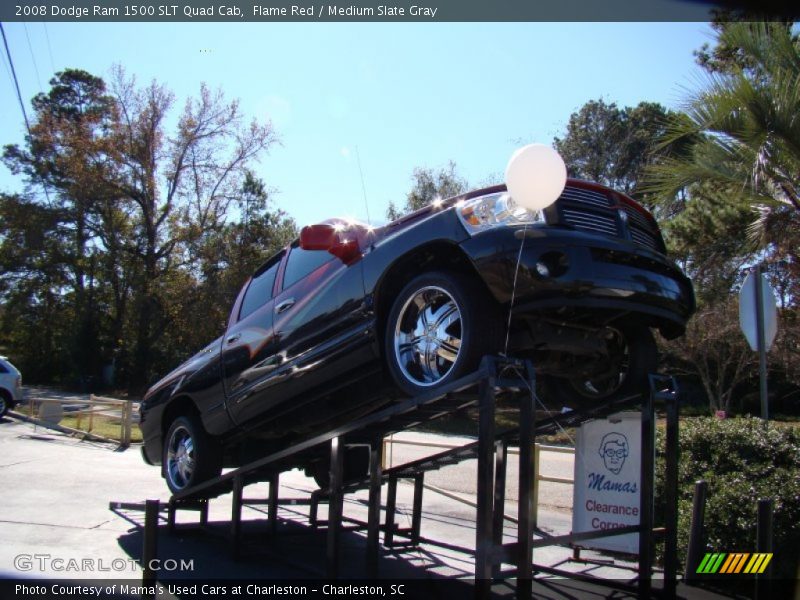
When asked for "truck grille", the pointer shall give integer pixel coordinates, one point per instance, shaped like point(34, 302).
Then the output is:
point(594, 211)
point(590, 221)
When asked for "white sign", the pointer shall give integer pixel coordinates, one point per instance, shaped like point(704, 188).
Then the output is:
point(608, 480)
point(748, 314)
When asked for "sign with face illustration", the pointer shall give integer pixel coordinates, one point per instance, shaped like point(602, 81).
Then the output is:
point(614, 450)
point(607, 480)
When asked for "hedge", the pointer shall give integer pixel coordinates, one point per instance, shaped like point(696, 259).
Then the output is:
point(743, 460)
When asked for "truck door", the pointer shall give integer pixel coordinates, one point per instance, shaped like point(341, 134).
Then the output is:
point(320, 323)
point(248, 347)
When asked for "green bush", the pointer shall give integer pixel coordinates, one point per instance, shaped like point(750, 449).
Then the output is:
point(743, 460)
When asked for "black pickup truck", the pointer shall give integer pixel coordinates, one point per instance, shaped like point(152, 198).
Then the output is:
point(347, 316)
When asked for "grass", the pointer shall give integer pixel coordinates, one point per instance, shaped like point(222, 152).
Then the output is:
point(104, 426)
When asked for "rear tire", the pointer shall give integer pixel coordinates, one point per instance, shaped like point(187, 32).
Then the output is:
point(5, 403)
point(634, 356)
point(356, 466)
point(190, 454)
point(439, 327)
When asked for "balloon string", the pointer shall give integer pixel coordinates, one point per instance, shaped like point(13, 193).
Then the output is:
point(514, 287)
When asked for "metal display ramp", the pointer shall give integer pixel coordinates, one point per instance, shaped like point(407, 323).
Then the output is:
point(499, 379)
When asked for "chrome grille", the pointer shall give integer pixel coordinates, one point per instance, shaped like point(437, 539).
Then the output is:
point(644, 238)
point(591, 210)
point(636, 218)
point(588, 197)
point(590, 221)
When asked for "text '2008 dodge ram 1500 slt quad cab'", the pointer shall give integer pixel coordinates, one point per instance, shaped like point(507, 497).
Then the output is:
point(322, 328)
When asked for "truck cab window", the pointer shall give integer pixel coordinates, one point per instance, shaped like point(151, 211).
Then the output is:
point(303, 262)
point(259, 291)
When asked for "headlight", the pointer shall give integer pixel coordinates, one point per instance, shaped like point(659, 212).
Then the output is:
point(485, 212)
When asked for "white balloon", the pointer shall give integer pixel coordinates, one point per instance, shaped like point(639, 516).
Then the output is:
point(536, 176)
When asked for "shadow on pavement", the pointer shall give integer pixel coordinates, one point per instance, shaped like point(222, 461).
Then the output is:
point(298, 553)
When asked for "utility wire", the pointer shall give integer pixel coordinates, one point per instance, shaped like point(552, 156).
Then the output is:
point(8, 70)
point(49, 48)
point(19, 97)
point(33, 57)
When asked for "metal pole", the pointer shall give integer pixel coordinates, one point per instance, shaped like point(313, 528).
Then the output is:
point(150, 542)
point(764, 544)
point(313, 510)
point(537, 456)
point(762, 345)
point(501, 454)
point(376, 453)
point(671, 497)
point(204, 512)
point(646, 498)
point(696, 533)
point(272, 512)
point(485, 477)
point(416, 515)
point(171, 509)
point(391, 500)
point(236, 516)
point(335, 507)
point(526, 504)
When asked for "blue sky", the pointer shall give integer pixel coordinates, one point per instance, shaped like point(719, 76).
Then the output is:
point(405, 94)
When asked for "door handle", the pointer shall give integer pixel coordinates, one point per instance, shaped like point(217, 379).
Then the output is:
point(284, 306)
point(233, 338)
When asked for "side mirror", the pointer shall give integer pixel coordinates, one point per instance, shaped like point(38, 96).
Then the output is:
point(324, 236)
point(318, 237)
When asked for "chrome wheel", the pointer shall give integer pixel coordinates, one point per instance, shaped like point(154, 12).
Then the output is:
point(427, 336)
point(180, 458)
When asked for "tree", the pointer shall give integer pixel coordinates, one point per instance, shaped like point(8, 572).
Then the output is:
point(612, 145)
point(178, 189)
point(715, 351)
point(227, 258)
point(32, 263)
point(727, 57)
point(134, 234)
point(745, 132)
point(733, 190)
point(67, 151)
point(707, 235)
point(429, 184)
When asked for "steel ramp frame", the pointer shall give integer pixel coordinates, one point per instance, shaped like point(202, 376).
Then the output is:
point(497, 376)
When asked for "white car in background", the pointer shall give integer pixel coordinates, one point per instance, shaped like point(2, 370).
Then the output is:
point(10, 386)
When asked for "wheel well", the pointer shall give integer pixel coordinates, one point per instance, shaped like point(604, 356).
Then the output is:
point(6, 396)
point(182, 405)
point(441, 255)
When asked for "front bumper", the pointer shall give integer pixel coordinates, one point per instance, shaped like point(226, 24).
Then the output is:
point(151, 449)
point(563, 268)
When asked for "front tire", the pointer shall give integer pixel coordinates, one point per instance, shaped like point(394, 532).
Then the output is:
point(191, 455)
point(439, 327)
